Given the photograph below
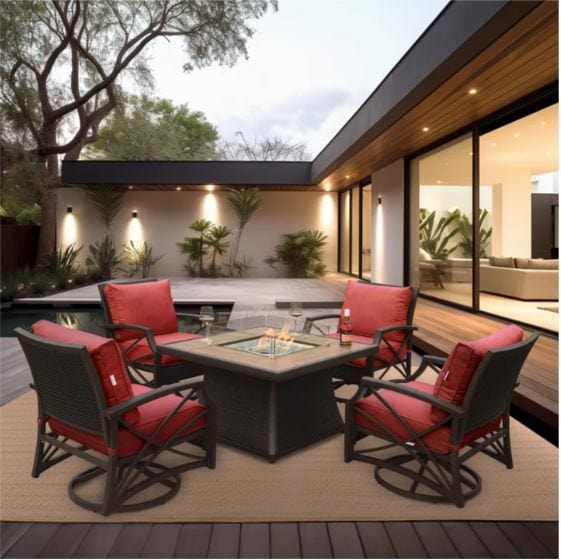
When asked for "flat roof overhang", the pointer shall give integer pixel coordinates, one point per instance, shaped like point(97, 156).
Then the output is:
point(168, 174)
point(507, 50)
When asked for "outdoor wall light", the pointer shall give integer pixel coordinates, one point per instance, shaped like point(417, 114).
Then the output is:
point(69, 209)
point(135, 213)
point(379, 199)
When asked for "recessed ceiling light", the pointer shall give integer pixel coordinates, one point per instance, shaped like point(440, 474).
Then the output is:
point(210, 188)
point(327, 188)
point(548, 154)
point(177, 188)
point(426, 128)
point(517, 134)
point(542, 123)
point(347, 176)
point(472, 91)
point(130, 188)
point(493, 144)
point(471, 153)
point(439, 182)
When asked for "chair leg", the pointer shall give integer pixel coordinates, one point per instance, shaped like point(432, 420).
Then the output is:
point(506, 444)
point(110, 486)
point(210, 439)
point(39, 450)
point(349, 433)
point(456, 475)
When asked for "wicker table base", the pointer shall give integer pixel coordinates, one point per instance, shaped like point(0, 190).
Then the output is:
point(270, 418)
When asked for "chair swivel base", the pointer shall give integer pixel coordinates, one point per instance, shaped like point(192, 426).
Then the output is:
point(171, 483)
point(415, 479)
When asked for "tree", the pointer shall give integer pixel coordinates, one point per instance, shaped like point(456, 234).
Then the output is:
point(62, 59)
point(146, 129)
point(266, 149)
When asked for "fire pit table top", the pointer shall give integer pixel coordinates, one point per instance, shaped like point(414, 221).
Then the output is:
point(266, 347)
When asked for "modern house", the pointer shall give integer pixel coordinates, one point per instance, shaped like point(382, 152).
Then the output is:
point(446, 178)
point(466, 120)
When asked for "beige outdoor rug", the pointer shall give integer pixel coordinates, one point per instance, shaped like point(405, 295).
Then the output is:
point(311, 485)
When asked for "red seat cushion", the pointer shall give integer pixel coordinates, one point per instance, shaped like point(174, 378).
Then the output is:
point(373, 306)
point(456, 374)
point(141, 350)
point(417, 415)
point(384, 352)
point(151, 415)
point(148, 304)
point(106, 357)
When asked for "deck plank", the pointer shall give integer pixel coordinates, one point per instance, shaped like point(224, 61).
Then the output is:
point(254, 540)
point(405, 540)
point(36, 538)
point(10, 533)
point(99, 540)
point(524, 540)
point(465, 539)
point(65, 541)
point(345, 540)
point(193, 540)
point(494, 539)
point(435, 540)
point(547, 533)
point(225, 540)
point(161, 541)
point(131, 540)
point(285, 540)
point(314, 540)
point(375, 540)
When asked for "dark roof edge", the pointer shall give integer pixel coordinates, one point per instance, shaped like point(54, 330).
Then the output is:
point(458, 34)
point(258, 173)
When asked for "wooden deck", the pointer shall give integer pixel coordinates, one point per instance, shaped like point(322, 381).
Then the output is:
point(423, 539)
point(441, 326)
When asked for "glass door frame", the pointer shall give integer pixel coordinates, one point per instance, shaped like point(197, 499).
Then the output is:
point(352, 191)
point(541, 99)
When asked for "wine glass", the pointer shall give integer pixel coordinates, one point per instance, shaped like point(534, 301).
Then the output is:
point(207, 318)
point(295, 310)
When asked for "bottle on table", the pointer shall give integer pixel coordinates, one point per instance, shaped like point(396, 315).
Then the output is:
point(346, 331)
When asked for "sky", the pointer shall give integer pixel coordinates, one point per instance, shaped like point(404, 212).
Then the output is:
point(310, 66)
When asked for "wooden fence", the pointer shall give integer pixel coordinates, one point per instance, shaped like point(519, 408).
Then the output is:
point(18, 246)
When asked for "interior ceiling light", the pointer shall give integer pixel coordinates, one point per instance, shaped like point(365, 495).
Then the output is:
point(493, 144)
point(347, 176)
point(327, 188)
point(439, 182)
point(542, 123)
point(426, 128)
point(472, 91)
point(517, 135)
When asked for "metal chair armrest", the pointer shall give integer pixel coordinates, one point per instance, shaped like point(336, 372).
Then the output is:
point(377, 338)
point(145, 330)
point(310, 320)
point(119, 409)
point(433, 362)
point(377, 384)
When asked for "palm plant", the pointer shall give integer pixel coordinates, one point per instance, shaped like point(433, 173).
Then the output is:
point(301, 253)
point(434, 237)
point(196, 248)
point(103, 259)
point(244, 202)
point(217, 242)
point(107, 201)
point(139, 259)
point(465, 230)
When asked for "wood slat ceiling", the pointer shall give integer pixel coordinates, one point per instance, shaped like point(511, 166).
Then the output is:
point(215, 188)
point(522, 61)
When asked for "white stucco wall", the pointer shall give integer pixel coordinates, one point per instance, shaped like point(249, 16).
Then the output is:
point(164, 218)
point(388, 224)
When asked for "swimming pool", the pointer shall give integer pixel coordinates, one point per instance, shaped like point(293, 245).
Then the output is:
point(87, 318)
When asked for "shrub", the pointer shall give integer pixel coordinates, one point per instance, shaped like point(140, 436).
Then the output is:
point(139, 259)
point(62, 260)
point(301, 253)
point(103, 260)
point(30, 216)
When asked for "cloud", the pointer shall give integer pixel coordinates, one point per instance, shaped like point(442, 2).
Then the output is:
point(298, 117)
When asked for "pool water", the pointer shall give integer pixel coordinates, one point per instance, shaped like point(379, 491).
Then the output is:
point(89, 319)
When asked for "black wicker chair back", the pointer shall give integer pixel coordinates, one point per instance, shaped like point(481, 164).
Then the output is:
point(491, 388)
point(66, 381)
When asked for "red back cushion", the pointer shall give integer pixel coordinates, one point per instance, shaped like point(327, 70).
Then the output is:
point(456, 374)
point(106, 356)
point(373, 306)
point(148, 304)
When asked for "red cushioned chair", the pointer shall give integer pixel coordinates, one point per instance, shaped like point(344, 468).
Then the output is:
point(88, 407)
point(140, 315)
point(380, 314)
point(437, 428)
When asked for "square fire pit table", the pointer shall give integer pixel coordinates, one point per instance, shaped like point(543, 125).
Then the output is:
point(270, 404)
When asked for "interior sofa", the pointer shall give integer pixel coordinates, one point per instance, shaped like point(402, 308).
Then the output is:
point(525, 279)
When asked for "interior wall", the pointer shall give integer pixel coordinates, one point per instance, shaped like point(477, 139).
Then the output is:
point(388, 224)
point(164, 218)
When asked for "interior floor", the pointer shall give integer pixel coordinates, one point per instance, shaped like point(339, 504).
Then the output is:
point(530, 312)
